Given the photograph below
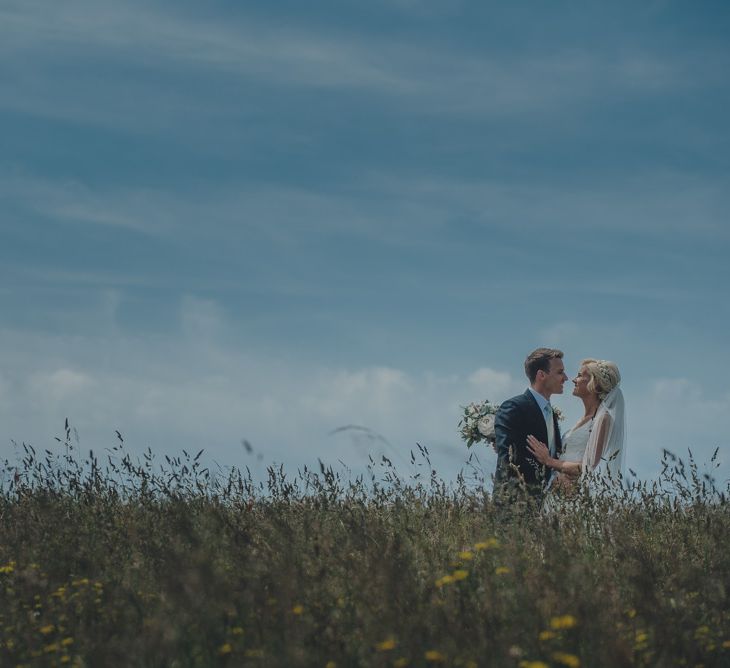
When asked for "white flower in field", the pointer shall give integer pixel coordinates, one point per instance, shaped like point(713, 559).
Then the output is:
point(486, 427)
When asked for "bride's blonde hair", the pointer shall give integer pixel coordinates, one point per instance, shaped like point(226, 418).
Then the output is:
point(603, 376)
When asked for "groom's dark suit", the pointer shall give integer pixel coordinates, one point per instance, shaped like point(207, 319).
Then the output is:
point(516, 418)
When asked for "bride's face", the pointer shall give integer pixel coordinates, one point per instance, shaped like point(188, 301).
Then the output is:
point(580, 383)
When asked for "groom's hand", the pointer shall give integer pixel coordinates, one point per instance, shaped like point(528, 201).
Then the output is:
point(538, 449)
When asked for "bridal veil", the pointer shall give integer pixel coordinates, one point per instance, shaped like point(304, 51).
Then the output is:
point(604, 453)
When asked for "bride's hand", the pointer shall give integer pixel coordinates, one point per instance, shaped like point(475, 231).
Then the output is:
point(538, 449)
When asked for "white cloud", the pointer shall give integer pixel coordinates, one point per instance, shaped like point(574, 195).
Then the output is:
point(678, 414)
point(191, 392)
point(60, 385)
point(393, 70)
point(491, 383)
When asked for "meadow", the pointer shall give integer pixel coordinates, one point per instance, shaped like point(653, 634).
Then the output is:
point(135, 562)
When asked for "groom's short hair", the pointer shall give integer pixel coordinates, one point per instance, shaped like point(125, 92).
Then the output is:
point(539, 360)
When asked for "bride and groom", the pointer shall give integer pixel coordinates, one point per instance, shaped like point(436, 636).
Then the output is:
point(532, 453)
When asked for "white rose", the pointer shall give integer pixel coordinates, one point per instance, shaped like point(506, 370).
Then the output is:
point(485, 426)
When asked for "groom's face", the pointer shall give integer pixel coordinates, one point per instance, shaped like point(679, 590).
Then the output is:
point(555, 377)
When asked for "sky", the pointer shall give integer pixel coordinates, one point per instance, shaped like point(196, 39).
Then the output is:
point(266, 221)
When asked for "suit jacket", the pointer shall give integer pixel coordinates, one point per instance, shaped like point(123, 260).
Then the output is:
point(516, 418)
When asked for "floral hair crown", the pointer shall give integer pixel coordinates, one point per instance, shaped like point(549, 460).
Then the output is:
point(608, 379)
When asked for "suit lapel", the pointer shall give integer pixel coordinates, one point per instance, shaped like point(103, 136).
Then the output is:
point(539, 428)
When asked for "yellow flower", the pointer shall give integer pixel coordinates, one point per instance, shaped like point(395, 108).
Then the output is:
point(225, 648)
point(569, 660)
point(533, 664)
point(330, 664)
point(501, 570)
point(466, 555)
point(8, 568)
point(447, 579)
point(298, 609)
point(401, 663)
point(434, 656)
point(45, 630)
point(65, 658)
point(67, 641)
point(486, 544)
point(460, 574)
point(49, 649)
point(631, 613)
point(386, 645)
point(641, 636)
point(563, 622)
point(237, 631)
point(546, 635)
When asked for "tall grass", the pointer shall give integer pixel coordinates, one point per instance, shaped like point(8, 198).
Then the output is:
point(130, 562)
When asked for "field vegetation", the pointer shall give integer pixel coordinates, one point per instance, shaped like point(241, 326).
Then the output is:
point(132, 562)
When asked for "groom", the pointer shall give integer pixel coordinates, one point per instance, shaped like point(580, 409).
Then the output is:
point(529, 413)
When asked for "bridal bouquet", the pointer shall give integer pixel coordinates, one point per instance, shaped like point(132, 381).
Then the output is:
point(477, 423)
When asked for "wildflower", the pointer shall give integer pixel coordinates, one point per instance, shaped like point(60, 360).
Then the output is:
point(460, 574)
point(49, 649)
point(447, 579)
point(569, 660)
point(466, 555)
point(45, 630)
point(65, 658)
point(434, 656)
point(8, 568)
point(67, 641)
point(546, 635)
point(386, 645)
point(501, 570)
point(225, 648)
point(631, 613)
point(641, 636)
point(563, 622)
point(701, 631)
point(237, 631)
point(486, 544)
point(298, 609)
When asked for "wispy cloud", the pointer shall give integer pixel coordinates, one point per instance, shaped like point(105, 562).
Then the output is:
point(395, 71)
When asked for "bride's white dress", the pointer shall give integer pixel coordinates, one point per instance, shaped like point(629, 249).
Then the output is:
point(575, 442)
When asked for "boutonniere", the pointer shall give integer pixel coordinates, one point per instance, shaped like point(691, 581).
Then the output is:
point(558, 413)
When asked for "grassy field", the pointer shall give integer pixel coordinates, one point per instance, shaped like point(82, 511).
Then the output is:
point(131, 563)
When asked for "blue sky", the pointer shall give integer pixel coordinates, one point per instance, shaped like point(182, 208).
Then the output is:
point(267, 221)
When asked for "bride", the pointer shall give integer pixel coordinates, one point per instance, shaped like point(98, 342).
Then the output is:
point(596, 442)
